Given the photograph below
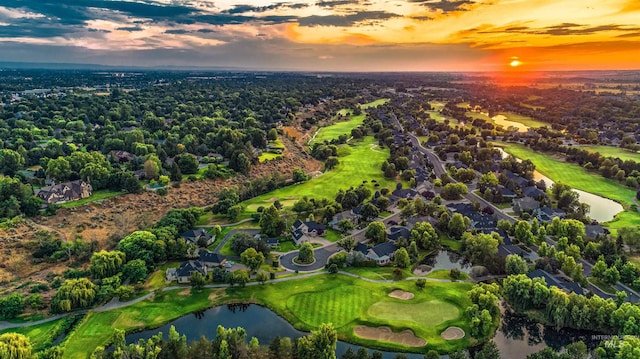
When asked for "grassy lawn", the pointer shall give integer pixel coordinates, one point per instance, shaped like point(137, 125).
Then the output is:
point(446, 274)
point(157, 279)
point(268, 156)
point(344, 127)
point(39, 335)
point(377, 273)
point(306, 303)
point(95, 196)
point(452, 244)
point(573, 175)
point(602, 285)
point(525, 120)
point(579, 178)
point(332, 235)
point(363, 163)
point(205, 218)
point(286, 246)
point(609, 151)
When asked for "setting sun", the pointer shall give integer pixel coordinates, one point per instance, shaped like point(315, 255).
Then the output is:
point(515, 63)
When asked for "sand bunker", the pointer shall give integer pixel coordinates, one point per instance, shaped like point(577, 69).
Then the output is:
point(405, 337)
point(452, 333)
point(401, 294)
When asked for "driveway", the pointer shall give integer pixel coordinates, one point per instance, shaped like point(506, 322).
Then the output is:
point(321, 255)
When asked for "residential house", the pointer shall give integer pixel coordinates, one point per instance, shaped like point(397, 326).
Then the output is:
point(592, 231)
point(348, 215)
point(546, 214)
point(534, 192)
point(271, 242)
point(65, 192)
point(183, 273)
point(382, 253)
point(195, 235)
point(396, 232)
point(525, 204)
point(121, 156)
point(301, 231)
point(553, 280)
point(211, 260)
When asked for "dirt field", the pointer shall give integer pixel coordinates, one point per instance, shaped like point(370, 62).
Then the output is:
point(106, 222)
point(401, 294)
point(452, 333)
point(405, 337)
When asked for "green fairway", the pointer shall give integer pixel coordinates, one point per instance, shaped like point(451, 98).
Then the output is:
point(344, 127)
point(39, 335)
point(579, 178)
point(362, 163)
point(306, 303)
point(609, 151)
point(573, 175)
point(429, 313)
point(338, 305)
point(525, 120)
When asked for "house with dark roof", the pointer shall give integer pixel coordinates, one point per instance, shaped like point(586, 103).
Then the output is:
point(396, 232)
point(211, 260)
point(552, 280)
point(546, 214)
point(381, 253)
point(121, 156)
point(592, 231)
point(344, 215)
point(533, 192)
point(525, 204)
point(183, 273)
point(301, 229)
point(65, 192)
point(194, 235)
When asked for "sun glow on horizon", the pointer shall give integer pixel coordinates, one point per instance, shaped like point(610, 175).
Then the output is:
point(515, 63)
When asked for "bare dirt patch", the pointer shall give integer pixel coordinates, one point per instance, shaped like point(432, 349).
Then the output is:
point(422, 270)
point(185, 292)
point(405, 337)
point(453, 333)
point(401, 294)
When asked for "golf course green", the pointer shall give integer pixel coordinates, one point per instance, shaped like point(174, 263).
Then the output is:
point(306, 303)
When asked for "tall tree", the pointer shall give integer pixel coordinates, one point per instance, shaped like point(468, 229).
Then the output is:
point(252, 259)
point(271, 223)
point(106, 264)
point(320, 344)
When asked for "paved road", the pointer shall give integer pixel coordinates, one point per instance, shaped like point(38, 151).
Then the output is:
point(323, 253)
point(439, 170)
point(250, 232)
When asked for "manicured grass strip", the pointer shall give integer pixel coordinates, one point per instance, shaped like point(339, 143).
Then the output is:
point(338, 306)
point(96, 196)
point(609, 151)
point(39, 335)
point(362, 163)
point(268, 156)
point(344, 127)
point(525, 120)
point(573, 175)
point(428, 314)
point(446, 274)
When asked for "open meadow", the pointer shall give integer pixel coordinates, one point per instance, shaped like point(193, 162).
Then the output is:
point(306, 303)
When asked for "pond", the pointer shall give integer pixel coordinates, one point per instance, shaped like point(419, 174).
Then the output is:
point(447, 260)
point(501, 120)
point(601, 209)
point(259, 322)
point(516, 338)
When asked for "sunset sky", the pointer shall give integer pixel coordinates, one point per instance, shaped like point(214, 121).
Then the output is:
point(344, 35)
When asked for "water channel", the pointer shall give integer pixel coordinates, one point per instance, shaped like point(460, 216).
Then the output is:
point(516, 338)
point(447, 260)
